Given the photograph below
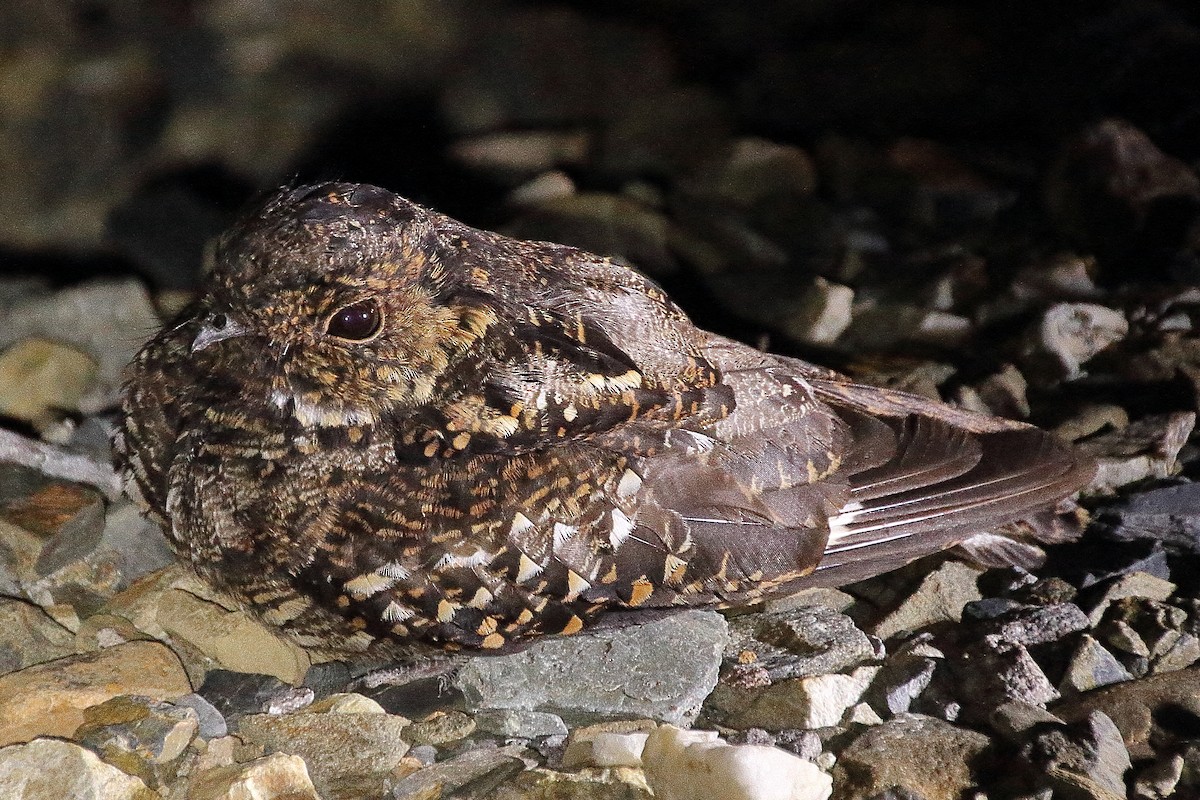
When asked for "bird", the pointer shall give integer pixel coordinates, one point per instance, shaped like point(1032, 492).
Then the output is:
point(385, 432)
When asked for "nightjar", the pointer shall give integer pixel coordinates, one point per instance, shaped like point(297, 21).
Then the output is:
point(380, 429)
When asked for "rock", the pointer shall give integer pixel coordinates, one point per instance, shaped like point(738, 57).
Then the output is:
point(1170, 515)
point(681, 765)
point(545, 188)
point(822, 313)
point(28, 636)
point(211, 722)
point(512, 723)
point(143, 737)
point(604, 749)
point(607, 784)
point(274, 777)
point(799, 642)
point(345, 703)
point(176, 606)
point(1087, 759)
point(475, 773)
point(750, 170)
point(1092, 666)
point(1147, 448)
point(1030, 625)
point(48, 769)
point(992, 672)
point(900, 682)
point(39, 378)
point(52, 461)
point(662, 669)
point(521, 154)
point(106, 319)
point(1135, 584)
point(1158, 780)
point(348, 755)
point(1183, 653)
point(1067, 336)
point(819, 701)
point(49, 699)
point(1157, 708)
point(1014, 720)
point(441, 727)
point(939, 598)
point(922, 755)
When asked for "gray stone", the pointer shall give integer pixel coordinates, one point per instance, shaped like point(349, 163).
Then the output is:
point(940, 598)
point(993, 672)
point(475, 773)
point(1013, 720)
point(275, 776)
point(663, 669)
point(1147, 448)
point(1183, 653)
point(1158, 781)
point(1170, 515)
point(1134, 584)
point(211, 721)
point(1069, 334)
point(800, 642)
point(519, 724)
point(1092, 666)
point(1032, 625)
point(900, 682)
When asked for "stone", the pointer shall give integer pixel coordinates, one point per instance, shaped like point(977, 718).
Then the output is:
point(1031, 625)
point(1147, 448)
point(177, 606)
point(1169, 514)
point(1015, 719)
point(1092, 666)
point(278, 776)
point(1158, 781)
point(1134, 584)
point(28, 636)
point(1157, 708)
point(605, 784)
point(922, 755)
point(143, 737)
point(939, 598)
point(348, 755)
point(106, 319)
point(514, 723)
point(799, 642)
point(474, 773)
point(992, 672)
point(521, 154)
point(1070, 334)
point(822, 313)
point(751, 169)
point(53, 461)
point(605, 749)
point(662, 669)
point(682, 765)
point(439, 728)
point(1086, 759)
point(1183, 653)
point(819, 701)
point(40, 378)
point(211, 722)
point(49, 699)
point(49, 769)
point(900, 682)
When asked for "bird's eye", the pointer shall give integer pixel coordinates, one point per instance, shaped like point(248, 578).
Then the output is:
point(356, 322)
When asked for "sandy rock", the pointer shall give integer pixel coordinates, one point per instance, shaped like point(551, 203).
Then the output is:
point(48, 769)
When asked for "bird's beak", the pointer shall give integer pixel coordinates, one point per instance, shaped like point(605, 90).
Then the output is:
point(217, 328)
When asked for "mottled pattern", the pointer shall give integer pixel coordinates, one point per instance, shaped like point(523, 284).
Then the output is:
point(532, 436)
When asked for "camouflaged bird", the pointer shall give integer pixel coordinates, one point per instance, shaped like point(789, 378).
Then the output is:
point(383, 430)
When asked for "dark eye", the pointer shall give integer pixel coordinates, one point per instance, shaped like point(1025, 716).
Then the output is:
point(356, 322)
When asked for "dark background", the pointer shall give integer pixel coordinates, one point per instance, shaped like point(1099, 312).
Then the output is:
point(929, 139)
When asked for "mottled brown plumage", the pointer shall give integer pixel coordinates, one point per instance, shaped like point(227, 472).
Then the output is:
point(382, 429)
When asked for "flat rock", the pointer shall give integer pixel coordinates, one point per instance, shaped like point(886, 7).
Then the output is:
point(1147, 448)
point(28, 636)
point(921, 755)
point(1087, 759)
point(347, 755)
point(144, 737)
point(590, 784)
point(939, 598)
point(662, 670)
point(49, 699)
point(49, 769)
point(819, 701)
point(273, 777)
point(475, 773)
point(514, 723)
point(800, 642)
point(38, 377)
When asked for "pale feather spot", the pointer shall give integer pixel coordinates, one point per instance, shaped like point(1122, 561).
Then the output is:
point(481, 598)
point(368, 584)
point(629, 484)
point(394, 570)
point(622, 527)
point(527, 569)
point(520, 524)
point(575, 585)
point(446, 610)
point(563, 533)
point(396, 612)
point(570, 413)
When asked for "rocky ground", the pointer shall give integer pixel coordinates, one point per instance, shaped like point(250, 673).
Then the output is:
point(1000, 210)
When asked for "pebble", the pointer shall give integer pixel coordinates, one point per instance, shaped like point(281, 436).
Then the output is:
point(690, 764)
point(1147, 448)
point(1069, 335)
point(39, 379)
point(1092, 666)
point(484, 769)
point(514, 723)
point(29, 636)
point(819, 701)
point(941, 596)
point(1086, 759)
